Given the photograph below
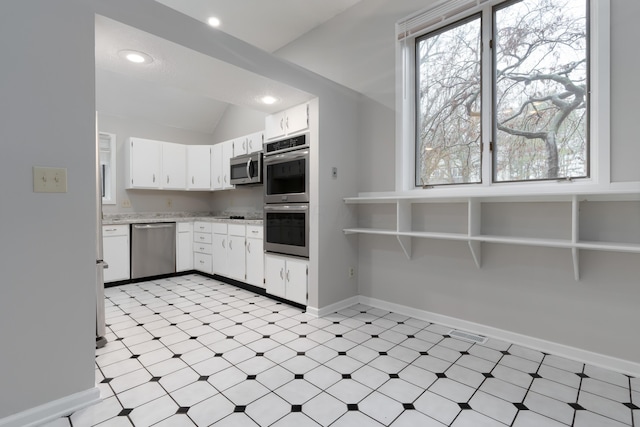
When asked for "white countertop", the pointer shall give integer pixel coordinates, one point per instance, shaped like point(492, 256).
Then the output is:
point(150, 217)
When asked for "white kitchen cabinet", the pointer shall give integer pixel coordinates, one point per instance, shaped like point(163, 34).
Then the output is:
point(255, 142)
point(286, 277)
point(248, 143)
point(236, 252)
point(227, 154)
point(287, 122)
point(115, 248)
point(184, 246)
point(198, 167)
point(174, 166)
point(255, 256)
point(216, 167)
point(202, 247)
point(219, 244)
point(143, 163)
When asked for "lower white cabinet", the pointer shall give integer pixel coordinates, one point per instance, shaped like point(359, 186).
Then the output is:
point(115, 252)
point(184, 246)
point(236, 252)
point(286, 277)
point(255, 256)
point(202, 247)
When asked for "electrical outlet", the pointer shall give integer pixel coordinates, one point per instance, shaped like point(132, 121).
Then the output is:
point(334, 172)
point(352, 272)
point(126, 203)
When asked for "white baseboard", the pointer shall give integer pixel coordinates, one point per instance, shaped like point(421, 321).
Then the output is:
point(340, 305)
point(584, 356)
point(52, 410)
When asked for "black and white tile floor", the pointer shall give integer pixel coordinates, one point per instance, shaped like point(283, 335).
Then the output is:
point(191, 351)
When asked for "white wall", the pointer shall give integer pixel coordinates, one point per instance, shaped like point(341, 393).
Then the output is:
point(525, 290)
point(151, 200)
point(47, 289)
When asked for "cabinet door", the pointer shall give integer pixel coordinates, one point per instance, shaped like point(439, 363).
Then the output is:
point(296, 281)
point(144, 163)
point(184, 248)
point(198, 167)
point(274, 270)
point(236, 257)
point(220, 254)
point(227, 153)
point(216, 167)
point(255, 141)
point(255, 262)
point(297, 119)
point(116, 255)
point(240, 146)
point(274, 125)
point(174, 166)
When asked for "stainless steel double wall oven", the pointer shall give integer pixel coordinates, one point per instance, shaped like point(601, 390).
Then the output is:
point(286, 196)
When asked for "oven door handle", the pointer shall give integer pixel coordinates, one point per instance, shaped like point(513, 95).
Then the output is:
point(291, 155)
point(285, 208)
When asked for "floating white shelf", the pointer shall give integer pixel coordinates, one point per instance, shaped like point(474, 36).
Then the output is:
point(474, 237)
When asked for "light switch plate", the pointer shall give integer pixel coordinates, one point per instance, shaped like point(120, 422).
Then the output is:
point(49, 180)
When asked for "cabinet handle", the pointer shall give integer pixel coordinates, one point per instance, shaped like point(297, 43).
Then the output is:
point(193, 180)
point(201, 262)
point(218, 179)
point(230, 244)
point(281, 273)
point(249, 247)
point(225, 179)
point(167, 179)
point(244, 144)
point(254, 231)
point(288, 276)
point(154, 177)
point(201, 237)
point(223, 244)
point(110, 229)
point(282, 123)
point(286, 123)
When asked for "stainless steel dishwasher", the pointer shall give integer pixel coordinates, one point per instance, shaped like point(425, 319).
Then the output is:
point(153, 249)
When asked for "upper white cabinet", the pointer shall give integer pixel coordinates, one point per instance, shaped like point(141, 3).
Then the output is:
point(199, 167)
point(216, 167)
point(248, 144)
point(144, 163)
point(174, 166)
point(287, 122)
point(227, 154)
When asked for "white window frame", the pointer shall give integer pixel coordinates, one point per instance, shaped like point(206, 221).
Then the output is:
point(446, 12)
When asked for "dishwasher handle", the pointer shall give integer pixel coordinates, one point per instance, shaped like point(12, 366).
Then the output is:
point(150, 226)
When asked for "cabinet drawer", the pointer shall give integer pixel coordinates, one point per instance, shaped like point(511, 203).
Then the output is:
point(219, 227)
point(255, 231)
point(237, 230)
point(115, 230)
point(203, 248)
point(203, 262)
point(184, 227)
point(202, 237)
point(202, 227)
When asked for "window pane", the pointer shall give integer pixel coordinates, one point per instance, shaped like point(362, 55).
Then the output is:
point(541, 90)
point(448, 105)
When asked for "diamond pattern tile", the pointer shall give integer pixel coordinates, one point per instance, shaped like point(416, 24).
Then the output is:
point(193, 351)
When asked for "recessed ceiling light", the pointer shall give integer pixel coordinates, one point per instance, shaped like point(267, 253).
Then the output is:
point(135, 56)
point(213, 21)
point(269, 99)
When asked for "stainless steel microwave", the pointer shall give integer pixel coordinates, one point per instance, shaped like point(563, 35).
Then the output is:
point(246, 169)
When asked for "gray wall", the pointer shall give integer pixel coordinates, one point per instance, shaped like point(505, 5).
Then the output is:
point(47, 289)
point(625, 153)
point(151, 200)
point(520, 289)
